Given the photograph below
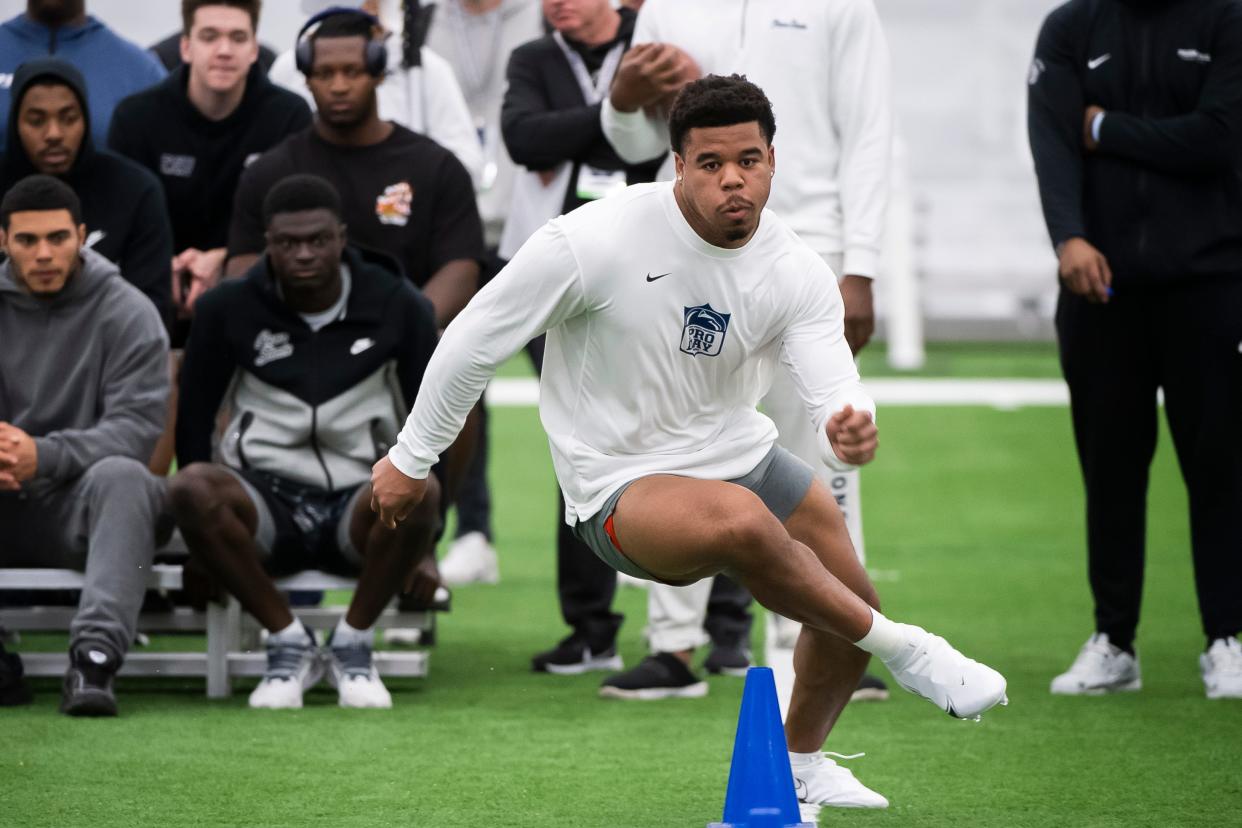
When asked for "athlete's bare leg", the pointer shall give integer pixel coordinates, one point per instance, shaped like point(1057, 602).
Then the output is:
point(826, 667)
point(680, 530)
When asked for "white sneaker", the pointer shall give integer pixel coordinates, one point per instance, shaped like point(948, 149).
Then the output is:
point(292, 668)
point(351, 670)
point(824, 782)
point(1099, 668)
point(1221, 666)
point(929, 667)
point(470, 560)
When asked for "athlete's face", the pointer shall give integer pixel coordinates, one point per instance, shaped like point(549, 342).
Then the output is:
point(724, 176)
point(304, 249)
point(220, 47)
point(45, 247)
point(344, 91)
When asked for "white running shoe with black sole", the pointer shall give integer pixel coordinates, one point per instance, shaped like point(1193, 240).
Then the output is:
point(292, 668)
point(471, 559)
point(825, 783)
point(1221, 667)
point(351, 670)
point(1099, 668)
point(928, 666)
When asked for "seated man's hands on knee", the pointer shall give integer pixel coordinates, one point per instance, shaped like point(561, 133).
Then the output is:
point(393, 494)
point(853, 435)
point(19, 457)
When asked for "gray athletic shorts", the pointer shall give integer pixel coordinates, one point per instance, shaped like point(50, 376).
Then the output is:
point(780, 480)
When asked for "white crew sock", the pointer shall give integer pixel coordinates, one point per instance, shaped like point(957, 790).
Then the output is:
point(345, 635)
point(295, 632)
point(802, 760)
point(885, 638)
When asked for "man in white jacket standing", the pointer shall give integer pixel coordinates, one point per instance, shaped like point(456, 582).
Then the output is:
point(825, 66)
point(657, 356)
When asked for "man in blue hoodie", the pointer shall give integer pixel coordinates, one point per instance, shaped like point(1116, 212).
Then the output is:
point(83, 391)
point(115, 67)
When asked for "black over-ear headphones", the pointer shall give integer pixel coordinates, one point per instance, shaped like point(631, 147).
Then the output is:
point(376, 54)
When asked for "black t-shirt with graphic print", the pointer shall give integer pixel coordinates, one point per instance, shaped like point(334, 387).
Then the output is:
point(406, 196)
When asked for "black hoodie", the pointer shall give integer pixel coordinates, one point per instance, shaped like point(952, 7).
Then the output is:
point(199, 161)
point(1162, 196)
point(122, 204)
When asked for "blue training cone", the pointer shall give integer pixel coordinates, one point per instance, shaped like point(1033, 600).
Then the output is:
point(761, 788)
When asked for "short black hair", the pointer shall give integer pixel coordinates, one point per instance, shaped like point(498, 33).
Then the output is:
point(717, 101)
point(298, 193)
point(190, 7)
point(344, 24)
point(38, 193)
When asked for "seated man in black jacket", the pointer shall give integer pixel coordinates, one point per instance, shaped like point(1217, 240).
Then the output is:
point(320, 350)
point(122, 204)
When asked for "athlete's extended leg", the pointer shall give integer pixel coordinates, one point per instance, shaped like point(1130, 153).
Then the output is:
point(679, 530)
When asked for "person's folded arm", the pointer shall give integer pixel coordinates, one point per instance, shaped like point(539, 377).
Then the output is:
point(1206, 140)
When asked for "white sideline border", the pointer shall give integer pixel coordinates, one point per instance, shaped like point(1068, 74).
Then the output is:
point(1001, 394)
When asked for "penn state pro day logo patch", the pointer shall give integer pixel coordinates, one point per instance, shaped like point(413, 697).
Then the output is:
point(703, 331)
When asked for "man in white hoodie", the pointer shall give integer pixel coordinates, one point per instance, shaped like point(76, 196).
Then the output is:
point(824, 64)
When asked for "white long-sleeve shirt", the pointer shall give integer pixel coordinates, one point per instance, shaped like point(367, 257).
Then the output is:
point(659, 347)
point(824, 65)
point(424, 98)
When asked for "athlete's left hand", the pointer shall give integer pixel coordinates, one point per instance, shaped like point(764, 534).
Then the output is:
point(859, 311)
point(853, 435)
point(393, 495)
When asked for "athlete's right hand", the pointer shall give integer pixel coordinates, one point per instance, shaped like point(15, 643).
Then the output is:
point(1084, 270)
point(853, 436)
point(393, 494)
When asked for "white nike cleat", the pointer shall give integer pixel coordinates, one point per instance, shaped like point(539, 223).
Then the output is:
point(470, 560)
point(1099, 668)
point(824, 782)
point(351, 670)
point(1221, 666)
point(928, 666)
point(292, 668)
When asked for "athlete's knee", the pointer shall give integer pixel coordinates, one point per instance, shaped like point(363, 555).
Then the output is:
point(745, 526)
point(197, 494)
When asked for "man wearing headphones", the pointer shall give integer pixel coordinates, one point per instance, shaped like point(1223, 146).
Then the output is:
point(420, 90)
point(402, 193)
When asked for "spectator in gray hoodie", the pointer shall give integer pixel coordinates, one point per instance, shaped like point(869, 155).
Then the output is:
point(83, 391)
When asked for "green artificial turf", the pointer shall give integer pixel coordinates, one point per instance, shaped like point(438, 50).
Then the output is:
point(974, 529)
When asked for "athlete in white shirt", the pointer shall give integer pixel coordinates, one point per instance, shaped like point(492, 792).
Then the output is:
point(667, 308)
point(824, 64)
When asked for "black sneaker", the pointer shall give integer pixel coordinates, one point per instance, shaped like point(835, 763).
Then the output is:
point(572, 657)
point(88, 681)
point(659, 676)
point(870, 688)
point(728, 661)
point(14, 690)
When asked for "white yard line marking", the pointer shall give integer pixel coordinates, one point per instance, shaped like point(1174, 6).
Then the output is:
point(1004, 394)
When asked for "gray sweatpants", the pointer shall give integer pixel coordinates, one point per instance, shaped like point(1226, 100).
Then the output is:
point(103, 523)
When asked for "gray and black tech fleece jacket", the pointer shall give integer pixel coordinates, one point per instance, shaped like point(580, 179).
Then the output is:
point(315, 407)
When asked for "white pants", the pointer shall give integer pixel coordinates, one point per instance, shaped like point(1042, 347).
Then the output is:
point(675, 615)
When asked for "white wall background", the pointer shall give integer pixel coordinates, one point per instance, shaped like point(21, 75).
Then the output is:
point(960, 85)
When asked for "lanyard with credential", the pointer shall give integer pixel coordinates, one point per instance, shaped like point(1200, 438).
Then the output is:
point(592, 92)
